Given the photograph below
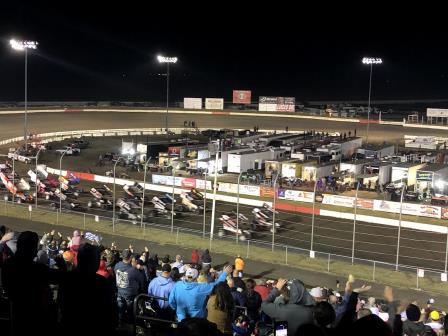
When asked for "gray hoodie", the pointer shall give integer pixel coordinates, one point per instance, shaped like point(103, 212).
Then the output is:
point(296, 312)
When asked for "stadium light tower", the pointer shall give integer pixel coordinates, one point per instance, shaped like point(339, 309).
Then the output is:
point(370, 61)
point(24, 46)
point(168, 61)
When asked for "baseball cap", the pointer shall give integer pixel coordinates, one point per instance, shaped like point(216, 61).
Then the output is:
point(192, 273)
point(126, 254)
point(166, 268)
point(431, 301)
point(316, 292)
point(434, 315)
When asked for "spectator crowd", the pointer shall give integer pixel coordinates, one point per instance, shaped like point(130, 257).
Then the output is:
point(76, 285)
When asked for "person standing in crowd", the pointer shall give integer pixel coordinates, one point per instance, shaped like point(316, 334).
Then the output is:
point(296, 307)
point(253, 301)
point(86, 299)
point(179, 264)
point(206, 260)
point(130, 283)
point(75, 241)
point(239, 265)
point(162, 286)
point(195, 257)
point(188, 297)
point(26, 284)
point(220, 307)
point(237, 293)
point(262, 288)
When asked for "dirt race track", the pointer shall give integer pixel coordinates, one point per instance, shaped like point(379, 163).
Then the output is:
point(332, 235)
point(12, 125)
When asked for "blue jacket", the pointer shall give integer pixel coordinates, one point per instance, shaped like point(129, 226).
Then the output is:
point(188, 298)
point(161, 286)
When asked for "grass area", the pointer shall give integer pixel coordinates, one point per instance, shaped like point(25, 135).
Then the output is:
point(372, 273)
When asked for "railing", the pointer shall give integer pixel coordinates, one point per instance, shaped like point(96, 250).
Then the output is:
point(372, 270)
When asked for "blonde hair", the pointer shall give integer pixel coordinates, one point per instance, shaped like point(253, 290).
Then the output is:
point(201, 278)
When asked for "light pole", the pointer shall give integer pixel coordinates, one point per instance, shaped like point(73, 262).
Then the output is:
point(37, 158)
point(60, 180)
point(238, 207)
point(113, 200)
point(354, 220)
point(24, 46)
point(399, 224)
point(370, 61)
point(14, 157)
point(172, 202)
point(273, 210)
point(313, 215)
point(205, 203)
point(144, 189)
point(167, 60)
point(215, 182)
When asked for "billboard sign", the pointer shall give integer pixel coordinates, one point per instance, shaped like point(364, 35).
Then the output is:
point(436, 112)
point(267, 104)
point(277, 104)
point(424, 175)
point(214, 103)
point(286, 104)
point(241, 97)
point(193, 103)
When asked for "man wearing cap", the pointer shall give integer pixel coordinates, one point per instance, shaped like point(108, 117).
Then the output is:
point(317, 294)
point(130, 283)
point(434, 321)
point(188, 296)
point(162, 286)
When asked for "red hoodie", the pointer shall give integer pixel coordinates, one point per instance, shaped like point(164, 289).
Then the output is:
point(195, 257)
point(102, 270)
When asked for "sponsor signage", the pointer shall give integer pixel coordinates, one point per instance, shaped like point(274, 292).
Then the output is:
point(214, 103)
point(424, 175)
point(408, 208)
point(276, 104)
point(241, 96)
point(193, 103)
point(436, 112)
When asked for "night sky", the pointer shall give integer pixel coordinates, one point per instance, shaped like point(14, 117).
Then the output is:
point(109, 53)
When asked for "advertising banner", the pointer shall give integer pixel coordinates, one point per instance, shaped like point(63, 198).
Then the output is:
point(365, 203)
point(277, 104)
point(174, 151)
point(191, 153)
point(142, 149)
point(248, 190)
point(267, 192)
point(200, 185)
point(241, 96)
point(193, 103)
point(298, 195)
point(424, 175)
point(339, 200)
point(408, 208)
point(444, 213)
point(436, 112)
point(188, 182)
point(286, 104)
point(214, 103)
point(267, 104)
